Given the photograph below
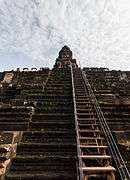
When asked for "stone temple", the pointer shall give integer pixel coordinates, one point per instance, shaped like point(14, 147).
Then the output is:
point(65, 123)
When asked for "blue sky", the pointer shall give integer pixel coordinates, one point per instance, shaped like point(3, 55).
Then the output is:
point(10, 61)
point(33, 31)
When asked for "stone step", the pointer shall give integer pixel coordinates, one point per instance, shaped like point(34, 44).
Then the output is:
point(16, 120)
point(15, 115)
point(50, 148)
point(53, 125)
point(36, 166)
point(46, 175)
point(14, 126)
point(43, 161)
point(53, 109)
point(53, 116)
point(50, 136)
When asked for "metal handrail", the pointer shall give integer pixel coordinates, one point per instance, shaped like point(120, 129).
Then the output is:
point(120, 164)
point(79, 169)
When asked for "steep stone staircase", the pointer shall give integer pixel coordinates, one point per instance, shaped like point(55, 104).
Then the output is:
point(48, 149)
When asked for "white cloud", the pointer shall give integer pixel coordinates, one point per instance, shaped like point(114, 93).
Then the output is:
point(96, 30)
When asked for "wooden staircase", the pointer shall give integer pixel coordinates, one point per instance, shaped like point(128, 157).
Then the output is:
point(95, 162)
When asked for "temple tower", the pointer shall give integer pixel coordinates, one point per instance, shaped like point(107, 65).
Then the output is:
point(65, 58)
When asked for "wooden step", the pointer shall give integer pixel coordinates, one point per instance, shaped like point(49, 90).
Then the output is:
point(88, 146)
point(98, 169)
point(86, 124)
point(95, 156)
point(89, 131)
point(91, 138)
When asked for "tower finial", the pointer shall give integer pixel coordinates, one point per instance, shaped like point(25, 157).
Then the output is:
point(65, 52)
point(65, 58)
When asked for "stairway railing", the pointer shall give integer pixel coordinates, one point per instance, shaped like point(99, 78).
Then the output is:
point(79, 164)
point(119, 162)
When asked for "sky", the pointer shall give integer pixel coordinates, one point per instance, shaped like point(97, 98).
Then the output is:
point(32, 32)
